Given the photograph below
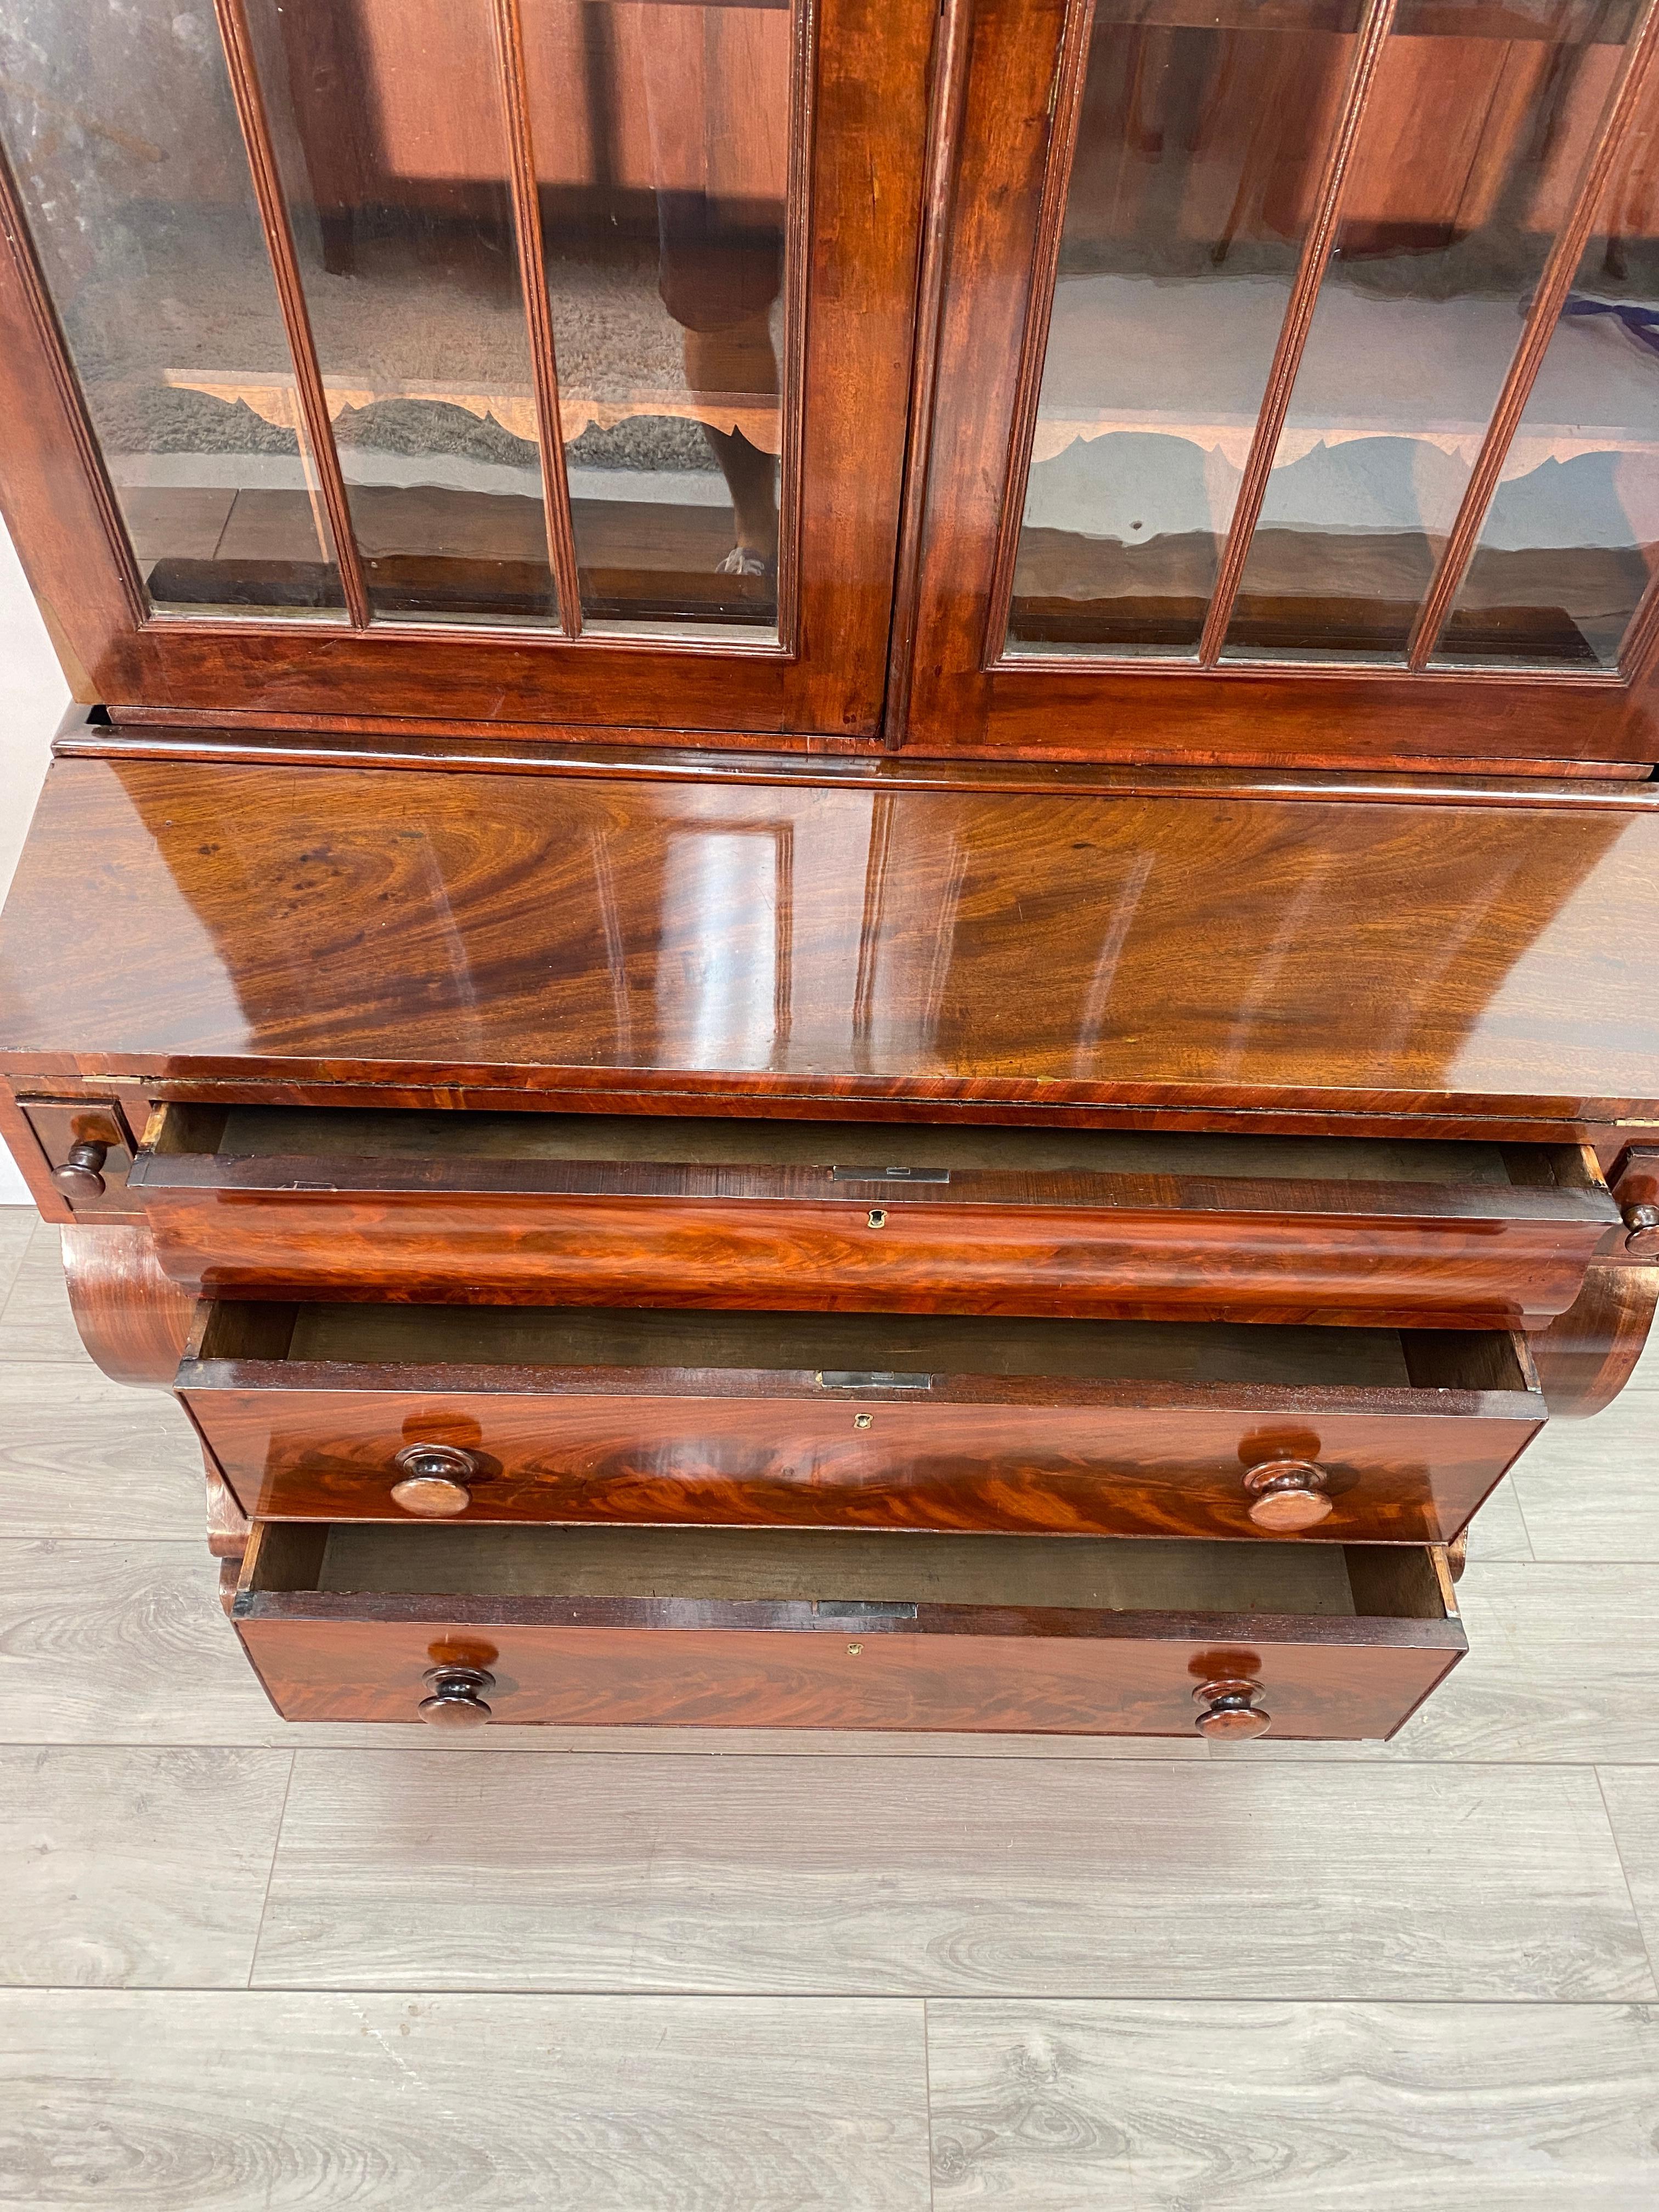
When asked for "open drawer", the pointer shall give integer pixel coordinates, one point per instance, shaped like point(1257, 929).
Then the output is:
point(923, 1421)
point(599, 1209)
point(752, 1628)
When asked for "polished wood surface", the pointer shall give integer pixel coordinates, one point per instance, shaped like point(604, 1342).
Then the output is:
point(1142, 1264)
point(88, 1150)
point(229, 1527)
point(1319, 770)
point(1370, 1642)
point(695, 942)
point(663, 1677)
point(1587, 1355)
point(132, 1317)
point(1405, 1461)
point(677, 1213)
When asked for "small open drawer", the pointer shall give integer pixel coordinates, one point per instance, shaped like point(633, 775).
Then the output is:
point(755, 1628)
point(918, 1421)
point(603, 1210)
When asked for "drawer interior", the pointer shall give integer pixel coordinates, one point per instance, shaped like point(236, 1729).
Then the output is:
point(902, 1347)
point(253, 1133)
point(848, 1569)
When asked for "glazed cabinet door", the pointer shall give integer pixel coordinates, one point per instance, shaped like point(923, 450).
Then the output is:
point(511, 360)
point(1293, 388)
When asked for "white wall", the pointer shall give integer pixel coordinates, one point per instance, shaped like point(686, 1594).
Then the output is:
point(32, 696)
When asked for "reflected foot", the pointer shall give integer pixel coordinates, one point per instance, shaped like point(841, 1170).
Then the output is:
point(744, 561)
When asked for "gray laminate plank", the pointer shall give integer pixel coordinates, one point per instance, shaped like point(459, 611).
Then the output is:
point(80, 1456)
point(135, 1869)
point(435, 1869)
point(1560, 1669)
point(116, 1642)
point(1323, 2108)
point(1631, 1795)
point(1589, 1490)
point(17, 1225)
point(35, 1321)
point(121, 1642)
point(252, 2103)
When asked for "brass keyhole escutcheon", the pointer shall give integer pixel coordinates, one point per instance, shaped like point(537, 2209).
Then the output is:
point(864, 1420)
point(877, 1216)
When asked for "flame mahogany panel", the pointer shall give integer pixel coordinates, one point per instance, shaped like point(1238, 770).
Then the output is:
point(131, 1315)
point(654, 1446)
point(1062, 1674)
point(432, 1229)
point(1587, 1354)
point(698, 942)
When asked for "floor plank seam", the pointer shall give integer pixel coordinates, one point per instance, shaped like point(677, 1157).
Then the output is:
point(910, 1999)
point(1531, 1558)
point(271, 1870)
point(927, 2094)
point(1624, 1872)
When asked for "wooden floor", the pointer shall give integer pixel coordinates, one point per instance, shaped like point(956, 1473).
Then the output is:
point(247, 1966)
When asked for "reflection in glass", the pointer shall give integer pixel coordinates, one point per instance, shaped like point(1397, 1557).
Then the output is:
point(662, 142)
point(1198, 158)
point(124, 140)
point(1476, 127)
point(390, 129)
point(1572, 534)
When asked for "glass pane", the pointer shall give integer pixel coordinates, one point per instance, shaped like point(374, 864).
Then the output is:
point(1198, 156)
point(390, 130)
point(1572, 534)
point(662, 138)
point(122, 135)
point(1478, 122)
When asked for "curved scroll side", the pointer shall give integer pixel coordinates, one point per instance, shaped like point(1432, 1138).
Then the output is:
point(133, 1319)
point(1584, 1358)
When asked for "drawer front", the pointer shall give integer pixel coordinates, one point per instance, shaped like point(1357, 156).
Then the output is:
point(1003, 1633)
point(845, 1675)
point(1505, 1247)
point(967, 1453)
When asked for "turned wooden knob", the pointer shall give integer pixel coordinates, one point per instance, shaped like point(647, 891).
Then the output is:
point(1287, 1494)
point(434, 1480)
point(1641, 1228)
point(79, 1176)
point(456, 1699)
point(1230, 1712)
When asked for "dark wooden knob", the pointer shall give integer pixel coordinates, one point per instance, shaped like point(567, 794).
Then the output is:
point(1287, 1494)
point(1230, 1712)
point(456, 1699)
point(80, 1177)
point(1641, 1228)
point(434, 1480)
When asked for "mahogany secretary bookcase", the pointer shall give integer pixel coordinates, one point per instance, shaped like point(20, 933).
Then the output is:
point(851, 920)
